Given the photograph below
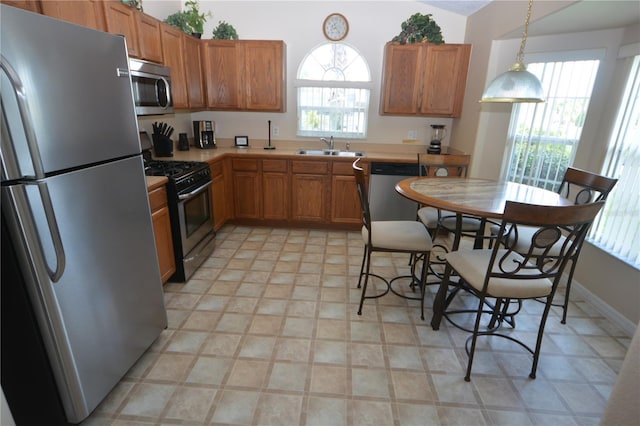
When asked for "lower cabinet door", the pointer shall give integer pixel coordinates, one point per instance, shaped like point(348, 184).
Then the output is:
point(164, 243)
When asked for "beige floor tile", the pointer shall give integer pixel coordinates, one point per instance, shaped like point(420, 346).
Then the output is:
point(267, 332)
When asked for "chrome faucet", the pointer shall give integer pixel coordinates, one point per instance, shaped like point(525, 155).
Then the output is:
point(328, 142)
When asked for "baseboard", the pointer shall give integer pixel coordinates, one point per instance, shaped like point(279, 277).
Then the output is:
point(604, 308)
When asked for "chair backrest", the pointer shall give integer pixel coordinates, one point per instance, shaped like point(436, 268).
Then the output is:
point(585, 187)
point(358, 172)
point(443, 165)
point(555, 226)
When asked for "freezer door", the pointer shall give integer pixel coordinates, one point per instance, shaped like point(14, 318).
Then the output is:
point(107, 306)
point(76, 88)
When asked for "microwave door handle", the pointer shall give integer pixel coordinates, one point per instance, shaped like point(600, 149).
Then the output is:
point(194, 192)
point(36, 159)
point(168, 92)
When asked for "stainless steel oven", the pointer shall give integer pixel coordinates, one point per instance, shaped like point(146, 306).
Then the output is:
point(196, 226)
point(189, 201)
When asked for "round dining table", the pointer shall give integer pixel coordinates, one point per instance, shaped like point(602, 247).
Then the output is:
point(482, 198)
point(476, 197)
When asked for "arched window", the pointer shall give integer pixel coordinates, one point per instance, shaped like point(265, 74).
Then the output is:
point(334, 85)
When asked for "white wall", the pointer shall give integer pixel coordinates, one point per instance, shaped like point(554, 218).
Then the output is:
point(299, 24)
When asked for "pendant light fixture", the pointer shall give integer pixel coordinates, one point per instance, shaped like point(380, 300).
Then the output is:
point(517, 84)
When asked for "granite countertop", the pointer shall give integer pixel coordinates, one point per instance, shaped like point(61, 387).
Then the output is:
point(196, 154)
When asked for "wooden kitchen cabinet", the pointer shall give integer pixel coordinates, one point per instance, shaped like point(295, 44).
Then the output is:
point(162, 232)
point(174, 58)
point(149, 38)
point(193, 72)
point(244, 75)
point(246, 188)
point(30, 5)
point(122, 19)
point(275, 189)
point(424, 79)
point(88, 13)
point(310, 190)
point(219, 194)
point(345, 204)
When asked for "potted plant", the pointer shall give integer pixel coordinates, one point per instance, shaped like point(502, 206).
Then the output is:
point(419, 29)
point(225, 31)
point(191, 21)
point(195, 19)
point(179, 20)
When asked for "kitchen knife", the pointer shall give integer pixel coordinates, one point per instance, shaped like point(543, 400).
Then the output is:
point(170, 132)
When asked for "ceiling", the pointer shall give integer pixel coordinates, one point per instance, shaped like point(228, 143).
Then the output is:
point(585, 15)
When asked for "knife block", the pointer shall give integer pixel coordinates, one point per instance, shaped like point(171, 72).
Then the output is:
point(162, 145)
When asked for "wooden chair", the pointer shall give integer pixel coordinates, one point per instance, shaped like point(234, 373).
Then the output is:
point(582, 187)
point(404, 236)
point(506, 272)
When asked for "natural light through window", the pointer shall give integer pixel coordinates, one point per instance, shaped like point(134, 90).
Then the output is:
point(544, 137)
point(333, 85)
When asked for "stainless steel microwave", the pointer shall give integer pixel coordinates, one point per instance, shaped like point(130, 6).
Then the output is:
point(151, 87)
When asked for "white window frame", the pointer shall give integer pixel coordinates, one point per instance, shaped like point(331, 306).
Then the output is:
point(325, 130)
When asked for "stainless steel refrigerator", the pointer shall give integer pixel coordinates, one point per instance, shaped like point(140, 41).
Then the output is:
point(75, 214)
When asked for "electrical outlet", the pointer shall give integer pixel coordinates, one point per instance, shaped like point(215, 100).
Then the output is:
point(275, 131)
point(412, 134)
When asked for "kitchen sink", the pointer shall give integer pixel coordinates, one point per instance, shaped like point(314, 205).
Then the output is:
point(331, 152)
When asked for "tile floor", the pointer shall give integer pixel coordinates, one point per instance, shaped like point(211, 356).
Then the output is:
point(266, 333)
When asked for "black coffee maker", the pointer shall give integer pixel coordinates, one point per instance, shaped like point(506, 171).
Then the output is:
point(204, 134)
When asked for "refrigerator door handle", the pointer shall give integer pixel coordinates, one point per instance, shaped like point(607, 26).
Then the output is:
point(36, 159)
point(54, 231)
point(23, 107)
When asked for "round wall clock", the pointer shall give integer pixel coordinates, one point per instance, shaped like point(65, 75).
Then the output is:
point(335, 27)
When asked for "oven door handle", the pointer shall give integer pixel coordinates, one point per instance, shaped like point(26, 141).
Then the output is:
point(193, 193)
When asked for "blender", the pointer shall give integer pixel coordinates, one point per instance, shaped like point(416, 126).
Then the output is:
point(438, 132)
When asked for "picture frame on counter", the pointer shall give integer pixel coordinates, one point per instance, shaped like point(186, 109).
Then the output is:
point(242, 141)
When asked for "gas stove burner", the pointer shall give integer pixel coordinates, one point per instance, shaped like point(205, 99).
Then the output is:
point(184, 176)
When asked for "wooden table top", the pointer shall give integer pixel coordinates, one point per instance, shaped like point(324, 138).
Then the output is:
point(476, 197)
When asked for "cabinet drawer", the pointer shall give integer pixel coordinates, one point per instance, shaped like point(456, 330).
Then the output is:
point(216, 169)
point(346, 168)
point(274, 166)
point(158, 198)
point(310, 167)
point(246, 165)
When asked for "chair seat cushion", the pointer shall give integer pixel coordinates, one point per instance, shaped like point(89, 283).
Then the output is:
point(472, 265)
point(429, 216)
point(402, 235)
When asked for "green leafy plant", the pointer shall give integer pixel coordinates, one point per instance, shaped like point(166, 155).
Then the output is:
point(419, 29)
point(225, 31)
point(179, 20)
point(195, 19)
point(191, 21)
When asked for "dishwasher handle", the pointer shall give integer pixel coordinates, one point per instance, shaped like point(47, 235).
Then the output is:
point(394, 169)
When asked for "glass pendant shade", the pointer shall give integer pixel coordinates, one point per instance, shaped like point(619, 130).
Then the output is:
point(515, 85)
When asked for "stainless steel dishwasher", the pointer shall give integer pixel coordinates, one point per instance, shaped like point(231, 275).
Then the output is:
point(385, 202)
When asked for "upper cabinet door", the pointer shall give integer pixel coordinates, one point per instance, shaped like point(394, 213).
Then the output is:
point(88, 13)
point(30, 5)
point(149, 33)
point(424, 79)
point(193, 72)
point(174, 59)
point(223, 69)
point(245, 75)
point(402, 78)
point(264, 75)
point(445, 79)
point(121, 19)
